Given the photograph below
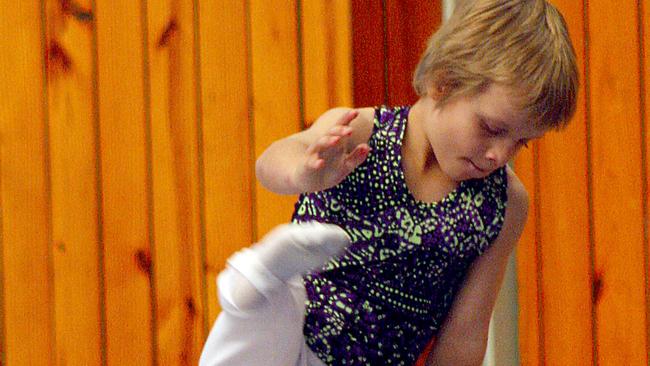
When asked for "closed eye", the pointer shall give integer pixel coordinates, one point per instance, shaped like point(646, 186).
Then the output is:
point(488, 129)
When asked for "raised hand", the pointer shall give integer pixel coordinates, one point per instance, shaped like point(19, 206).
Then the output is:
point(330, 158)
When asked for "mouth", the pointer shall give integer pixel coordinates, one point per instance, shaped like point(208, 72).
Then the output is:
point(479, 169)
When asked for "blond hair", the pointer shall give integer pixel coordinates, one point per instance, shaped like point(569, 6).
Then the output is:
point(523, 44)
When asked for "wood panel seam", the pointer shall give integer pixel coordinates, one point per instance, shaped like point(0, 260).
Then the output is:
point(47, 175)
point(198, 85)
point(146, 87)
point(251, 121)
point(99, 193)
point(299, 63)
point(644, 164)
point(590, 202)
point(538, 256)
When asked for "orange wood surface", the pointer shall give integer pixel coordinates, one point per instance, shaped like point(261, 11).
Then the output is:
point(73, 165)
point(369, 50)
point(129, 131)
point(621, 336)
point(326, 61)
point(226, 136)
point(564, 226)
point(126, 183)
point(409, 24)
point(26, 308)
point(175, 170)
point(342, 48)
point(276, 105)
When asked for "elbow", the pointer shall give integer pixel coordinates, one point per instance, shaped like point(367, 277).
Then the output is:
point(261, 173)
point(274, 178)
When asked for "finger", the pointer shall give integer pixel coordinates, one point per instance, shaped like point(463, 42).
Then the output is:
point(347, 117)
point(342, 131)
point(327, 148)
point(322, 144)
point(357, 156)
point(316, 164)
point(313, 161)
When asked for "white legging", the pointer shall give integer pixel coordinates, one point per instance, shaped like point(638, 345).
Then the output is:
point(271, 335)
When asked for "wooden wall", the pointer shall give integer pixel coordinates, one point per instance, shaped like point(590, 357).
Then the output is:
point(128, 135)
point(583, 262)
point(129, 130)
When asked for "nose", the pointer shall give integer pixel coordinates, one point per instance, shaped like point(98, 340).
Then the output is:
point(500, 153)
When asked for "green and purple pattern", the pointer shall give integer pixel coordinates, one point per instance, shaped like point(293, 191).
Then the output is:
point(381, 302)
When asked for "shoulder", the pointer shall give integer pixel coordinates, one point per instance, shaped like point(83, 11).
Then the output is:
point(518, 199)
point(516, 208)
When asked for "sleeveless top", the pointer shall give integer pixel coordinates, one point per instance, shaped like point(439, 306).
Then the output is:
point(387, 296)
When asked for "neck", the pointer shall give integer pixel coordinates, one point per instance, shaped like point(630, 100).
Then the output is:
point(416, 148)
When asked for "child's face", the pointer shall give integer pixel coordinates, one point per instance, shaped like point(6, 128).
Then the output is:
point(473, 136)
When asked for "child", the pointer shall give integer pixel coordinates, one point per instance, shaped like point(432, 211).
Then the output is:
point(421, 208)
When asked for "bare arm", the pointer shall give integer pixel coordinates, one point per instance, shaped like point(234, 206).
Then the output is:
point(463, 337)
point(319, 157)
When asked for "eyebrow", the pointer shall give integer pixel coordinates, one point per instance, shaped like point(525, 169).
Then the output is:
point(499, 125)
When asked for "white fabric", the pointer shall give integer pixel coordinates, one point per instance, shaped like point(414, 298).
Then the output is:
point(271, 335)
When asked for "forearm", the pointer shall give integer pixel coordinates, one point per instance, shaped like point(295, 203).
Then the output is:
point(275, 168)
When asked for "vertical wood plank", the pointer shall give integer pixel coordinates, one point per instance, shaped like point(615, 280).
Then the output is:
point(342, 33)
point(369, 61)
point(26, 307)
point(226, 144)
point(124, 177)
point(618, 225)
point(528, 266)
point(276, 108)
point(177, 233)
point(564, 218)
point(317, 58)
point(326, 56)
point(409, 23)
point(74, 183)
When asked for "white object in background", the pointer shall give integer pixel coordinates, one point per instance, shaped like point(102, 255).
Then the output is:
point(503, 345)
point(447, 8)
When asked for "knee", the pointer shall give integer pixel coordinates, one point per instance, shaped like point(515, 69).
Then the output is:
point(237, 295)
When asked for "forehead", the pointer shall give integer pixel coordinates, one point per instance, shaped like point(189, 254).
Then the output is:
point(500, 105)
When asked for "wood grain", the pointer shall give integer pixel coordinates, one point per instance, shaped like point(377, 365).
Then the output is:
point(125, 183)
point(616, 172)
point(226, 130)
point(326, 56)
point(564, 219)
point(177, 232)
point(369, 53)
point(73, 152)
point(27, 289)
point(276, 106)
point(409, 24)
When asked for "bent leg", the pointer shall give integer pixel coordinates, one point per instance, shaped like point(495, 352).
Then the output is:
point(270, 335)
point(263, 312)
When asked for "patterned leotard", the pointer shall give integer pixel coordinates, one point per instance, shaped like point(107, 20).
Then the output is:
point(381, 302)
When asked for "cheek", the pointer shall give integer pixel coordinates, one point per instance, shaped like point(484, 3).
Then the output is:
point(472, 141)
